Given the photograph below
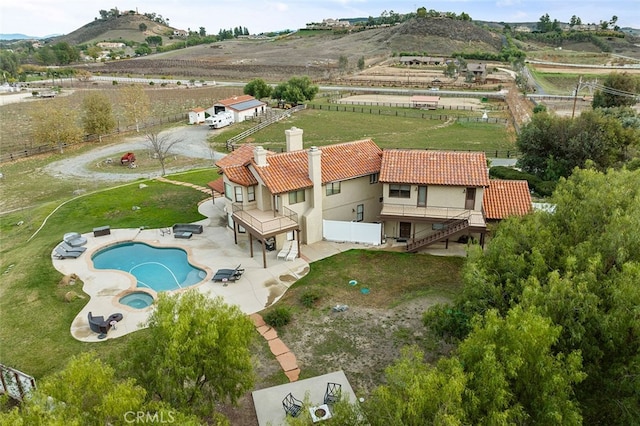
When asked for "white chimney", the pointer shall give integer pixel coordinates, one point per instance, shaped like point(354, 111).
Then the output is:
point(260, 156)
point(294, 139)
point(312, 217)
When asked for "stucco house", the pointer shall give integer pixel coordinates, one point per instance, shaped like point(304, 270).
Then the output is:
point(243, 107)
point(196, 116)
point(413, 196)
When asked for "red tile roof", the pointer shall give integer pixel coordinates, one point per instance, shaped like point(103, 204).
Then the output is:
point(434, 168)
point(504, 198)
point(234, 165)
point(240, 175)
point(217, 185)
point(289, 171)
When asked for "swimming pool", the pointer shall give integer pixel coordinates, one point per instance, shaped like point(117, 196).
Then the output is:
point(157, 268)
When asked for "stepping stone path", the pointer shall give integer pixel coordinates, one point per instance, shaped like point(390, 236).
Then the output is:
point(191, 185)
point(283, 355)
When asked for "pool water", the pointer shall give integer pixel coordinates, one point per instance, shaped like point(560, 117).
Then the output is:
point(160, 269)
point(137, 300)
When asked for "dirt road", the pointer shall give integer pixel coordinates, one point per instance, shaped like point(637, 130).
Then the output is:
point(193, 144)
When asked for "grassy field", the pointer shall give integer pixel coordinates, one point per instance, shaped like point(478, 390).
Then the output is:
point(323, 127)
point(562, 83)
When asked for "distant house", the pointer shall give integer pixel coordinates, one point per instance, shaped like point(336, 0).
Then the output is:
point(421, 60)
point(180, 33)
point(110, 45)
point(328, 24)
point(196, 116)
point(478, 70)
point(242, 107)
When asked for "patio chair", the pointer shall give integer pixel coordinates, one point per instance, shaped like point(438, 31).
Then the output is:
point(333, 392)
point(282, 254)
point(291, 405)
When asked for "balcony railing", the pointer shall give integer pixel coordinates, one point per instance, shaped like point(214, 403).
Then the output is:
point(423, 212)
point(263, 221)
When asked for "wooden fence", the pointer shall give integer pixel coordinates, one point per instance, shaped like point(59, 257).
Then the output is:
point(42, 149)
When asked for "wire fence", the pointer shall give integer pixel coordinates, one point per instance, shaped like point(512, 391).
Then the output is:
point(411, 113)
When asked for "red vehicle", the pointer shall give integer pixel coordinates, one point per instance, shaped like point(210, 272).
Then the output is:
point(128, 158)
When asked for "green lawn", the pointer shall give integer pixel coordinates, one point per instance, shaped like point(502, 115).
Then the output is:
point(323, 127)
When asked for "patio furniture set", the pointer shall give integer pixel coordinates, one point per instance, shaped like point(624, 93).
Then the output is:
point(293, 406)
point(71, 246)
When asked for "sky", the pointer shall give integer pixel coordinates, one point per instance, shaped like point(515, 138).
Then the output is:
point(41, 18)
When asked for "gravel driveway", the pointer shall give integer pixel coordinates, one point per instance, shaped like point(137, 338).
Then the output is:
point(194, 144)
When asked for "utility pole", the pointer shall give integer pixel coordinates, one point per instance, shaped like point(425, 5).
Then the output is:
point(575, 97)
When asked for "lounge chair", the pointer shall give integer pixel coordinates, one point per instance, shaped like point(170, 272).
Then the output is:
point(74, 239)
point(66, 247)
point(225, 275)
point(293, 253)
point(64, 254)
point(282, 254)
point(291, 405)
point(185, 235)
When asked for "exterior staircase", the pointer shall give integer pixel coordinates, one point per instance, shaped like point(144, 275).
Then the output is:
point(451, 228)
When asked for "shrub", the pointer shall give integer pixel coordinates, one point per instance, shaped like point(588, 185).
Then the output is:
point(448, 322)
point(278, 316)
point(309, 297)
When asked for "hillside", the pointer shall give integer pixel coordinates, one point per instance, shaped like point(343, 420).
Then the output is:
point(313, 53)
point(124, 27)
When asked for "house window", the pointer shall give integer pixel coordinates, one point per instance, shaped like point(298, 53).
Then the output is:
point(399, 191)
point(227, 191)
point(333, 188)
point(373, 178)
point(437, 226)
point(238, 193)
point(296, 196)
point(360, 213)
point(251, 193)
point(422, 196)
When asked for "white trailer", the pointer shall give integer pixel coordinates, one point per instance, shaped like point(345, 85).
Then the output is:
point(219, 120)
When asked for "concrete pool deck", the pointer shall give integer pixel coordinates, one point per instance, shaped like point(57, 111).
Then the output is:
point(257, 289)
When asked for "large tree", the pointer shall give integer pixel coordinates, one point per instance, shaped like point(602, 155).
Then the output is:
point(579, 267)
point(55, 123)
point(553, 146)
point(98, 117)
point(504, 372)
point(257, 88)
point(195, 353)
point(617, 89)
point(135, 104)
point(87, 392)
point(296, 90)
